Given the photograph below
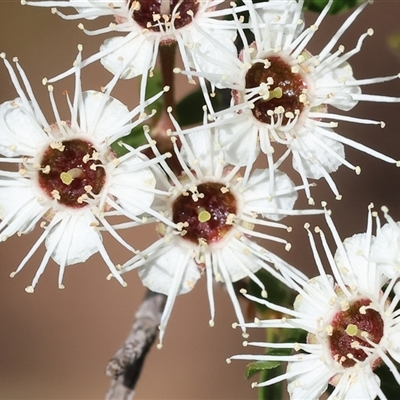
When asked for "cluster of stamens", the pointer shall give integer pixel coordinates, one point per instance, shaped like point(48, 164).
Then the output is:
point(71, 172)
point(206, 214)
point(352, 330)
point(282, 91)
point(158, 15)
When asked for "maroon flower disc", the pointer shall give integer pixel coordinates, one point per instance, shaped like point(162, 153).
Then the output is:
point(207, 217)
point(70, 171)
point(151, 13)
point(286, 85)
point(348, 327)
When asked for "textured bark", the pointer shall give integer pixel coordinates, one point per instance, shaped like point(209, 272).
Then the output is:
point(126, 365)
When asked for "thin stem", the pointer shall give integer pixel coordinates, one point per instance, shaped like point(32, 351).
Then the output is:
point(127, 363)
point(167, 60)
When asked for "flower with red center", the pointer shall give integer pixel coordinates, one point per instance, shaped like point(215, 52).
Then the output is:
point(204, 40)
point(67, 175)
point(352, 323)
point(208, 223)
point(282, 94)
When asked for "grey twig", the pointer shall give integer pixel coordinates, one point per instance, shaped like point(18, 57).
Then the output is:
point(126, 365)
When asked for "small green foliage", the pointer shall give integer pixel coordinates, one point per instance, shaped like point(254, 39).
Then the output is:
point(337, 6)
point(389, 385)
point(258, 366)
point(189, 111)
point(278, 293)
point(136, 138)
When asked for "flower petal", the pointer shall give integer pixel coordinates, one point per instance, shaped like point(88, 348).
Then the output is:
point(316, 160)
point(76, 241)
point(103, 114)
point(20, 133)
point(158, 274)
point(133, 186)
point(258, 196)
point(129, 59)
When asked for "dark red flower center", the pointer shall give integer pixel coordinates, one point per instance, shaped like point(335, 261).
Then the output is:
point(350, 330)
point(70, 171)
point(157, 15)
point(286, 89)
point(207, 213)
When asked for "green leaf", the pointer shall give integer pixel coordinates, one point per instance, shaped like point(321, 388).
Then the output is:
point(136, 138)
point(277, 292)
point(259, 366)
point(389, 384)
point(189, 111)
point(337, 6)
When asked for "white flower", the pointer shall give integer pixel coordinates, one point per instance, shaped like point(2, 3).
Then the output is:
point(204, 41)
point(67, 175)
point(386, 247)
point(208, 222)
point(351, 319)
point(282, 93)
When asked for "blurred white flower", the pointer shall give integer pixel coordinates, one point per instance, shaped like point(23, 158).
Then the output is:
point(386, 247)
point(67, 175)
point(352, 322)
point(211, 223)
point(204, 40)
point(281, 93)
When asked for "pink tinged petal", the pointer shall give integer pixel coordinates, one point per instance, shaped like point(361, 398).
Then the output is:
point(158, 274)
point(74, 241)
point(310, 379)
point(316, 160)
point(20, 133)
point(133, 187)
point(103, 114)
point(128, 59)
point(258, 195)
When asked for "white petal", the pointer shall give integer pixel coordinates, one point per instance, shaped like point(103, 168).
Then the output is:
point(158, 274)
point(86, 6)
point(220, 63)
point(76, 242)
point(394, 344)
point(386, 249)
point(235, 261)
point(316, 290)
point(328, 90)
point(316, 159)
point(258, 195)
point(19, 203)
point(103, 114)
point(359, 271)
point(129, 59)
point(129, 186)
point(238, 151)
point(310, 381)
point(272, 15)
point(19, 133)
point(203, 149)
point(361, 385)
